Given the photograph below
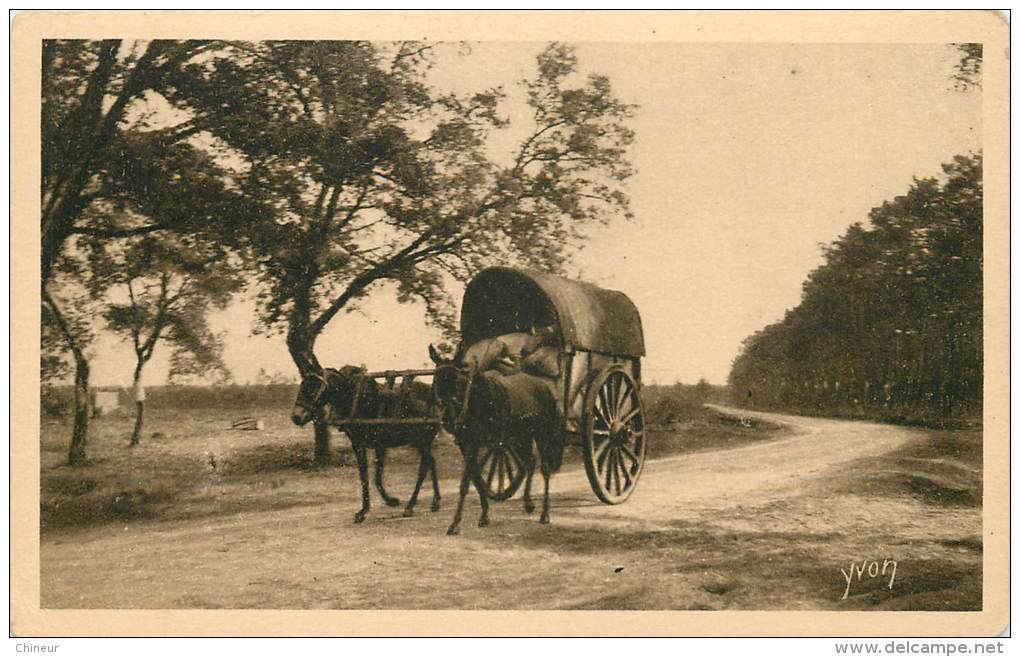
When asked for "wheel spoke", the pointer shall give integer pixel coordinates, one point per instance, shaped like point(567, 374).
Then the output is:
point(630, 415)
point(609, 470)
point(603, 462)
point(516, 459)
point(606, 412)
point(600, 415)
point(616, 470)
point(499, 469)
point(627, 451)
point(621, 394)
point(510, 470)
point(626, 407)
point(626, 474)
point(600, 451)
point(490, 456)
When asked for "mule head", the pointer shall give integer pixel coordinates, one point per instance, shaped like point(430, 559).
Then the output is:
point(311, 398)
point(450, 385)
point(326, 393)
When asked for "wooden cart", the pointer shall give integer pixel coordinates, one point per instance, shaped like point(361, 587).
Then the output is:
point(599, 344)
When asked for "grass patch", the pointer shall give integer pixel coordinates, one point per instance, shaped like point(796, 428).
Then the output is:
point(943, 469)
point(68, 502)
point(706, 429)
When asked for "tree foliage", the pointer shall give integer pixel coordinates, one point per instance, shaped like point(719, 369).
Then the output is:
point(891, 323)
point(161, 288)
point(95, 149)
point(967, 71)
point(374, 176)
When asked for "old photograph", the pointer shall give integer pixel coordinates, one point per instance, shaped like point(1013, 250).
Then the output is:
point(537, 321)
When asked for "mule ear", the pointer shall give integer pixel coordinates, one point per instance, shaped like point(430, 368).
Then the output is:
point(434, 355)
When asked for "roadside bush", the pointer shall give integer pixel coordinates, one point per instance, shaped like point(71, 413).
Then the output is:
point(232, 396)
point(666, 405)
point(56, 401)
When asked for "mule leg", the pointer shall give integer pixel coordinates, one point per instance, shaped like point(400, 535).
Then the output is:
point(435, 482)
point(529, 468)
point(423, 469)
point(546, 473)
point(465, 484)
point(362, 456)
point(380, 460)
point(483, 497)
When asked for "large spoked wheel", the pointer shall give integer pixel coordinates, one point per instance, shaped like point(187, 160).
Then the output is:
point(614, 435)
point(502, 470)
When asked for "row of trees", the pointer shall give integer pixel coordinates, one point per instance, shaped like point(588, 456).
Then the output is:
point(175, 173)
point(891, 323)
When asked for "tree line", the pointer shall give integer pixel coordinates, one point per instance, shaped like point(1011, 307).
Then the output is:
point(177, 173)
point(891, 323)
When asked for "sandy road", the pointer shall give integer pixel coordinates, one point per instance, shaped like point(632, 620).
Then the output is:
point(592, 555)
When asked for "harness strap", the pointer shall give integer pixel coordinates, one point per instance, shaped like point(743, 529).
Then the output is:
point(462, 416)
point(357, 394)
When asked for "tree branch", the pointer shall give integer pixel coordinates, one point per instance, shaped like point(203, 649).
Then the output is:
point(288, 75)
point(117, 232)
point(135, 328)
point(65, 328)
point(404, 54)
point(527, 144)
point(366, 278)
point(159, 322)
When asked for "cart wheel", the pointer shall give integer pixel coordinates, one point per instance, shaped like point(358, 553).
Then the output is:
point(614, 435)
point(502, 470)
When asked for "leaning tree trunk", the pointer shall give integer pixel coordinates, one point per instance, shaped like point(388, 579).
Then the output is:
point(300, 344)
point(82, 402)
point(79, 435)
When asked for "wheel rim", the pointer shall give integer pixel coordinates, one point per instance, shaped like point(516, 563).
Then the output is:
point(615, 437)
point(501, 470)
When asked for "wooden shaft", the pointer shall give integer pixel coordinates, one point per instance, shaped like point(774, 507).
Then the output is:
point(386, 420)
point(400, 373)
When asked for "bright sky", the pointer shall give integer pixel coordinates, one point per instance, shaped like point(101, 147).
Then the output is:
point(748, 155)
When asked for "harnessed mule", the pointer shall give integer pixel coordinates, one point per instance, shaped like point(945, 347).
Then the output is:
point(486, 407)
point(338, 395)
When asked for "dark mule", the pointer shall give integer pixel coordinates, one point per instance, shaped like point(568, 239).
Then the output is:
point(330, 395)
point(485, 408)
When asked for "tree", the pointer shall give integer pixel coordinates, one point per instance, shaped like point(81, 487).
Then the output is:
point(376, 177)
point(167, 286)
point(66, 326)
point(891, 323)
point(113, 169)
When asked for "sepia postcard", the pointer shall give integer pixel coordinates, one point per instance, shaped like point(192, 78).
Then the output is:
point(509, 323)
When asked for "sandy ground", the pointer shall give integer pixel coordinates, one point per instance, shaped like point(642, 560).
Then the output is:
point(765, 526)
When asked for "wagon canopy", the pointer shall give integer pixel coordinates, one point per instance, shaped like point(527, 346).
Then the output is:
point(502, 300)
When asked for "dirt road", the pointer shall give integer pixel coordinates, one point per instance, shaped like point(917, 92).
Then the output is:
point(764, 526)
